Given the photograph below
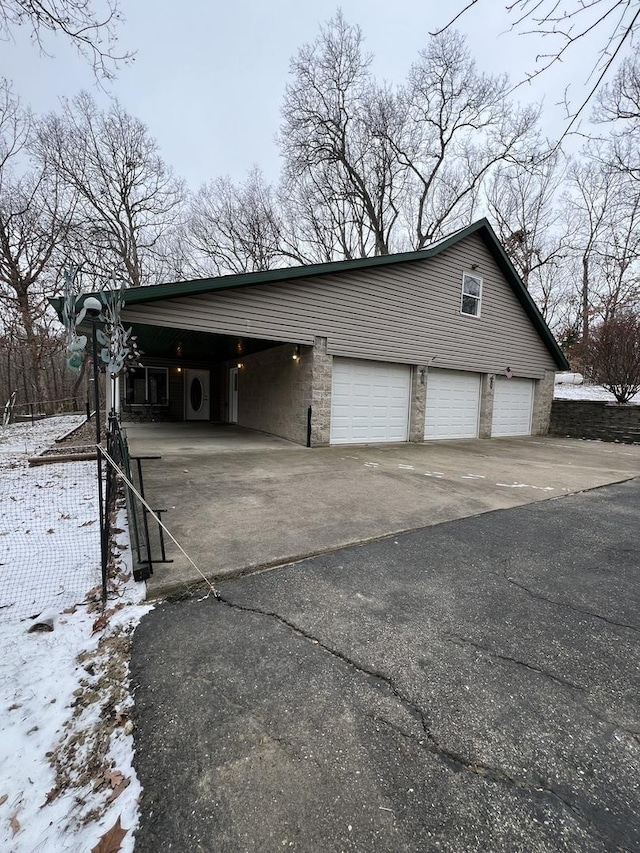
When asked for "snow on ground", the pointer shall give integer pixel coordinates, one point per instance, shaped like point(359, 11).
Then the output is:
point(586, 392)
point(66, 745)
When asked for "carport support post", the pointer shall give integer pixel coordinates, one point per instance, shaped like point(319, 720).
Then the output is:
point(418, 402)
point(486, 405)
point(321, 369)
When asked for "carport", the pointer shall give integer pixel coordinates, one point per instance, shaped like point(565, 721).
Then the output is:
point(188, 375)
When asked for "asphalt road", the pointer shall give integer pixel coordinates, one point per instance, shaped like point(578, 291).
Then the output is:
point(472, 686)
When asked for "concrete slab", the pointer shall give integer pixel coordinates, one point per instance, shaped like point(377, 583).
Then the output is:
point(198, 438)
point(235, 507)
point(471, 687)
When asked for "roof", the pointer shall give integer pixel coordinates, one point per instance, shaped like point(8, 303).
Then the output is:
point(482, 228)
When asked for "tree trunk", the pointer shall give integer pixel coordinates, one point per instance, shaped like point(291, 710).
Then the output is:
point(585, 303)
point(33, 348)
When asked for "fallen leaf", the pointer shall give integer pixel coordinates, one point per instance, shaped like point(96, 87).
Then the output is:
point(3, 799)
point(101, 621)
point(53, 794)
point(71, 609)
point(119, 788)
point(111, 840)
point(14, 823)
point(114, 777)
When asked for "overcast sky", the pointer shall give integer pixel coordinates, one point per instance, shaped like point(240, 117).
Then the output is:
point(208, 77)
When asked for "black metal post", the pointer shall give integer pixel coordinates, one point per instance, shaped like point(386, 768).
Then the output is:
point(101, 506)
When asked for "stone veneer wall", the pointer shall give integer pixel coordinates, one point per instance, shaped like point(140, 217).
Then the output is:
point(321, 384)
point(274, 392)
point(418, 402)
point(596, 420)
point(542, 400)
point(487, 383)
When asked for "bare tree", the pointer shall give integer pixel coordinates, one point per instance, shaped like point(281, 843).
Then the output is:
point(602, 209)
point(620, 99)
point(128, 198)
point(236, 228)
point(90, 25)
point(335, 139)
point(614, 353)
point(375, 169)
point(461, 126)
point(563, 24)
point(34, 221)
point(619, 106)
point(522, 203)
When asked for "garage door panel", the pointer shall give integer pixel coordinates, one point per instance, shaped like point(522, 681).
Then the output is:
point(453, 404)
point(512, 407)
point(370, 401)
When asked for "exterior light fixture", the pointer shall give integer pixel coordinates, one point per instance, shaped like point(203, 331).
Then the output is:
point(178, 370)
point(508, 372)
point(240, 365)
point(296, 353)
point(179, 350)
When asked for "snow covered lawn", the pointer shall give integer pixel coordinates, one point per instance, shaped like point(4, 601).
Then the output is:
point(586, 392)
point(66, 745)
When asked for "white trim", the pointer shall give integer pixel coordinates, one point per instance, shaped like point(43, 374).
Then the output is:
point(477, 278)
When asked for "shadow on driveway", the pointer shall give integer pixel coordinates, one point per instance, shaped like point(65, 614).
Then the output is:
point(472, 686)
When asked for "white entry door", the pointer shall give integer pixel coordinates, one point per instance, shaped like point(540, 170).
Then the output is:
point(196, 395)
point(512, 406)
point(453, 404)
point(233, 395)
point(369, 401)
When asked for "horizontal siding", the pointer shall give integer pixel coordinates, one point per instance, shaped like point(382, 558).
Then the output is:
point(406, 313)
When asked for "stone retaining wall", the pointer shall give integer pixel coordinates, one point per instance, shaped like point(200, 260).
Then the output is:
point(595, 420)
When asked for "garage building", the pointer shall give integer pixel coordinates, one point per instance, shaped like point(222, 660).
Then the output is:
point(442, 343)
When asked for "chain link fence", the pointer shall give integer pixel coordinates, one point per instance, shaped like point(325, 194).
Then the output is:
point(49, 523)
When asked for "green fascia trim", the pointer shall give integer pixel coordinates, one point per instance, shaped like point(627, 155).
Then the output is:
point(154, 293)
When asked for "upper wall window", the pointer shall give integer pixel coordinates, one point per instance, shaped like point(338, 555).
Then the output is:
point(471, 295)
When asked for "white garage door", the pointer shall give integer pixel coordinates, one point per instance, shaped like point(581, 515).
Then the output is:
point(453, 404)
point(369, 401)
point(512, 405)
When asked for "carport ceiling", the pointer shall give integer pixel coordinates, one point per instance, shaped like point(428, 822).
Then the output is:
point(190, 346)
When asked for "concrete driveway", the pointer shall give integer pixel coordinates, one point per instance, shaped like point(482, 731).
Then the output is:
point(238, 500)
point(471, 687)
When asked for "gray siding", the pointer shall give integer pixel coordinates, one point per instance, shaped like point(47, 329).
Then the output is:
point(406, 313)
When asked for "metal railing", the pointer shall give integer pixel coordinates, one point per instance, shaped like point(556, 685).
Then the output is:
point(145, 526)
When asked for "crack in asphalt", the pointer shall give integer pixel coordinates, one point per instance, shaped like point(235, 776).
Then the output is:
point(457, 761)
point(458, 640)
point(584, 611)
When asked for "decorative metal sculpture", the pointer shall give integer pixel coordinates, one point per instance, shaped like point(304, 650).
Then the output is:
point(72, 317)
point(119, 350)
